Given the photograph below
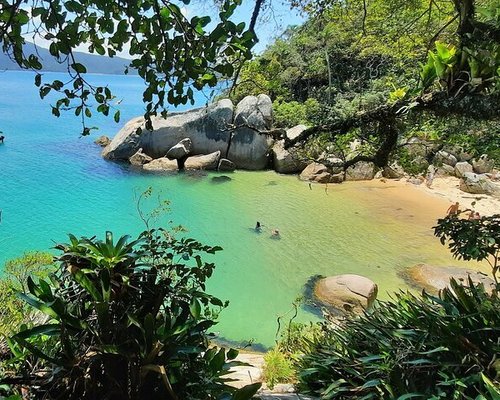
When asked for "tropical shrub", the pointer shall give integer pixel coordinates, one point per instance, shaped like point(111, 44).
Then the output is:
point(14, 312)
point(128, 320)
point(277, 368)
point(425, 347)
point(472, 239)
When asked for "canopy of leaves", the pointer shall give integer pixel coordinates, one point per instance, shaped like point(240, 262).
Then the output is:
point(171, 52)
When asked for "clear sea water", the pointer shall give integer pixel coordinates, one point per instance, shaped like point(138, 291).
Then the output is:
point(52, 182)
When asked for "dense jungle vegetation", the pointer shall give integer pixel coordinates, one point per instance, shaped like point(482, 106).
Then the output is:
point(383, 72)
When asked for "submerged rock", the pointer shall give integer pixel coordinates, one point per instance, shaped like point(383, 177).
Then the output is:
point(221, 179)
point(206, 162)
point(434, 278)
point(348, 292)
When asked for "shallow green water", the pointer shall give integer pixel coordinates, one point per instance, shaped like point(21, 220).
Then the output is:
point(52, 182)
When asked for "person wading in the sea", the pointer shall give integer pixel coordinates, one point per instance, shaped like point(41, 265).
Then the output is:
point(2, 137)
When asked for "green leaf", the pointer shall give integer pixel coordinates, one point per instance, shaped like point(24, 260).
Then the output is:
point(247, 392)
point(80, 68)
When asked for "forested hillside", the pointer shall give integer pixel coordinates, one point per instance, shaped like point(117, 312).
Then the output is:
point(359, 69)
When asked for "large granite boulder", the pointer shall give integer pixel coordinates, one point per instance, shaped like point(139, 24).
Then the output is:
point(478, 184)
point(347, 292)
point(361, 171)
point(444, 170)
point(180, 150)
point(316, 172)
point(433, 279)
point(208, 128)
point(102, 141)
point(286, 161)
point(483, 165)
point(140, 158)
point(161, 164)
point(250, 149)
point(461, 168)
point(205, 162)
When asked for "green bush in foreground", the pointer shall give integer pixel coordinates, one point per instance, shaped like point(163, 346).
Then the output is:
point(126, 320)
point(277, 368)
point(426, 347)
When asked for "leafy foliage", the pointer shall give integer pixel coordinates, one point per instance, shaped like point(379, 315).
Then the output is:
point(15, 312)
point(472, 239)
point(128, 320)
point(168, 50)
point(411, 347)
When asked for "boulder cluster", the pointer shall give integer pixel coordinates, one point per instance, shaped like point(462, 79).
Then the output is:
point(225, 137)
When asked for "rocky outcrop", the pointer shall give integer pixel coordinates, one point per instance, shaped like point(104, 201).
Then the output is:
point(434, 278)
point(316, 172)
point(161, 164)
point(226, 165)
point(349, 292)
point(444, 170)
point(205, 162)
point(250, 149)
point(461, 168)
point(180, 150)
point(443, 157)
point(393, 171)
point(361, 171)
point(209, 129)
point(206, 127)
point(478, 184)
point(286, 161)
point(102, 141)
point(139, 158)
point(482, 165)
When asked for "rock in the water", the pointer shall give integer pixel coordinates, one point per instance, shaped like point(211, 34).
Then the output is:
point(221, 179)
point(393, 171)
point(434, 278)
point(361, 171)
point(335, 165)
point(347, 292)
point(207, 128)
point(316, 172)
point(102, 141)
point(478, 184)
point(483, 165)
point(161, 164)
point(180, 150)
point(206, 162)
point(140, 158)
point(226, 165)
point(250, 149)
point(443, 157)
point(461, 168)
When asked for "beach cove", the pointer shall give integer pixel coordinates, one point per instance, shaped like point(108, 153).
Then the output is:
point(53, 182)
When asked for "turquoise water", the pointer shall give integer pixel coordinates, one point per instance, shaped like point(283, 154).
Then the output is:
point(53, 182)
